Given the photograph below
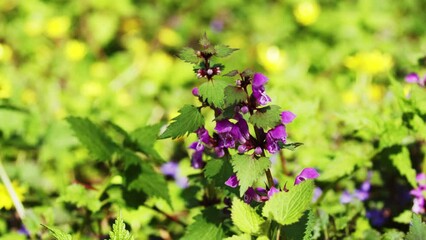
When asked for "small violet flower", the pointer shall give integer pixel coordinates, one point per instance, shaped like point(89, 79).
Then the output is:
point(171, 169)
point(419, 194)
point(259, 89)
point(232, 181)
point(274, 136)
point(361, 194)
point(307, 173)
point(415, 78)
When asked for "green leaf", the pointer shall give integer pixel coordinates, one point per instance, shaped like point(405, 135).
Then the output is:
point(207, 225)
point(204, 41)
point(299, 229)
point(119, 231)
point(80, 196)
point(248, 170)
point(393, 234)
point(287, 207)
point(290, 146)
point(239, 237)
point(218, 171)
point(93, 138)
point(148, 180)
point(266, 117)
point(234, 95)
point(404, 217)
point(245, 217)
point(223, 50)
point(417, 229)
point(145, 138)
point(189, 120)
point(402, 162)
point(232, 73)
point(310, 225)
point(189, 55)
point(213, 92)
point(58, 234)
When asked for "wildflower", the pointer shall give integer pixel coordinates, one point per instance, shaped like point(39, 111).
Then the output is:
point(361, 194)
point(232, 181)
point(259, 89)
point(287, 117)
point(369, 62)
point(307, 173)
point(415, 78)
point(307, 12)
point(274, 136)
point(171, 169)
point(377, 217)
point(419, 194)
point(5, 200)
point(75, 50)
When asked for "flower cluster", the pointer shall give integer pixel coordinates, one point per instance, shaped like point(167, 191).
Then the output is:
point(419, 194)
point(415, 78)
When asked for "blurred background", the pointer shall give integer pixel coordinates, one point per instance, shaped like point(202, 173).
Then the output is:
point(328, 61)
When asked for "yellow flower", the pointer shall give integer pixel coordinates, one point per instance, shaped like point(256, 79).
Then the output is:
point(5, 53)
point(369, 62)
point(5, 200)
point(271, 58)
point(169, 37)
point(5, 88)
point(57, 27)
point(75, 50)
point(307, 12)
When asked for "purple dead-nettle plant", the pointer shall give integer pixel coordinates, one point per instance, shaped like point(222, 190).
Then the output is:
point(247, 128)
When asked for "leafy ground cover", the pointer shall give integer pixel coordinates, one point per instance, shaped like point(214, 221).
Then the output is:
point(287, 120)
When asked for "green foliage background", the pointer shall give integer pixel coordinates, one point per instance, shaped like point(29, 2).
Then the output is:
point(115, 63)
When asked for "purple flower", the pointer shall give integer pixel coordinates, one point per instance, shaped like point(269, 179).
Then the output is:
point(251, 195)
point(419, 194)
point(272, 191)
point(171, 169)
point(231, 133)
point(259, 89)
point(415, 78)
point(307, 173)
point(203, 135)
point(197, 156)
point(232, 181)
point(317, 194)
point(287, 117)
point(195, 92)
point(274, 136)
point(377, 217)
point(363, 193)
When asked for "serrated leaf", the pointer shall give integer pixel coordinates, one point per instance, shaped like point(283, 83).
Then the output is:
point(232, 73)
point(204, 41)
point(234, 95)
point(227, 113)
point(148, 180)
point(393, 234)
point(343, 164)
point(58, 234)
point(189, 120)
point(213, 92)
point(189, 55)
point(207, 225)
point(80, 196)
point(145, 138)
point(290, 146)
point(287, 207)
point(218, 171)
point(403, 164)
point(249, 170)
point(245, 217)
point(93, 138)
point(266, 117)
point(297, 230)
point(119, 231)
point(417, 229)
point(223, 50)
point(404, 217)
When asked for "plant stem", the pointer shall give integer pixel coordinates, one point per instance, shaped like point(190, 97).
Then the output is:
point(269, 177)
point(11, 191)
point(283, 163)
point(173, 218)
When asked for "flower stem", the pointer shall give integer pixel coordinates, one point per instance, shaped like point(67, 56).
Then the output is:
point(11, 191)
point(269, 177)
point(283, 162)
